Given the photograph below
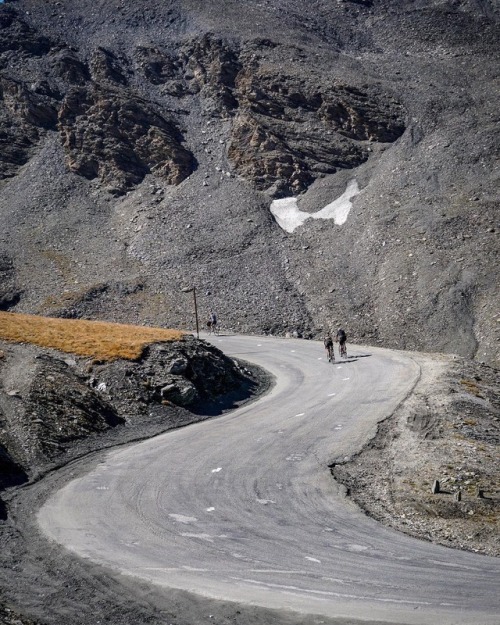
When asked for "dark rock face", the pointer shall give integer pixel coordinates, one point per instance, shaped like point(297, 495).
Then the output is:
point(24, 115)
point(25, 111)
point(120, 140)
point(9, 293)
point(106, 67)
point(67, 66)
point(107, 131)
point(110, 133)
point(268, 145)
point(187, 373)
point(10, 471)
point(157, 67)
point(210, 67)
point(17, 36)
point(60, 408)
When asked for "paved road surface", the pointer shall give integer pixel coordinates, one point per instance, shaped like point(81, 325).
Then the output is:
point(243, 507)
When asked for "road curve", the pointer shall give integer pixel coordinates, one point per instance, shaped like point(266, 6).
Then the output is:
point(243, 507)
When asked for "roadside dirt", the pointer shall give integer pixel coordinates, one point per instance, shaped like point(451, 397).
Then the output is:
point(447, 431)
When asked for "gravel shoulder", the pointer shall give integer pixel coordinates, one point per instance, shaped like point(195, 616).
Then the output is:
point(447, 431)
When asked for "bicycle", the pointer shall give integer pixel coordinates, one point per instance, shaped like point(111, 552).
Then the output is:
point(328, 343)
point(330, 353)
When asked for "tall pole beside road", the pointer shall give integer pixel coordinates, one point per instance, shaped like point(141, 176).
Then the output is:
point(192, 289)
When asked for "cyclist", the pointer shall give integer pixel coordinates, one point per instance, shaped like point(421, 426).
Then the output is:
point(328, 343)
point(212, 323)
point(342, 340)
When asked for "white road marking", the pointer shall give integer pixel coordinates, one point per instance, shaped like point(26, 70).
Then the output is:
point(193, 568)
point(313, 559)
point(181, 518)
point(206, 537)
point(301, 414)
point(356, 548)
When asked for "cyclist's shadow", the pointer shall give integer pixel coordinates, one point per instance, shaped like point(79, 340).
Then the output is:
point(354, 358)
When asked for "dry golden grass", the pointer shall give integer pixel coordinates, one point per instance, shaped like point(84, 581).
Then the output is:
point(96, 339)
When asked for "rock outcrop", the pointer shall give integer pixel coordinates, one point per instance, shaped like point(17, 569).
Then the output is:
point(9, 293)
point(24, 115)
point(50, 401)
point(287, 132)
point(120, 139)
point(107, 130)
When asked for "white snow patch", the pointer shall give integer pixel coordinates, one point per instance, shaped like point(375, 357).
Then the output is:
point(289, 217)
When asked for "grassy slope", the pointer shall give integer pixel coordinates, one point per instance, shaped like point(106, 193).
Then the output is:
point(97, 339)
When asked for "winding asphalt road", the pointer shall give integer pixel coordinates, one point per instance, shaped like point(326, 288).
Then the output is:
point(243, 507)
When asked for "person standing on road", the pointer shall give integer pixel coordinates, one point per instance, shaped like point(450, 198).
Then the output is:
point(212, 322)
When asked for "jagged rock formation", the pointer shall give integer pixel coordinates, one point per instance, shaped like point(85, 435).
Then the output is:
point(268, 144)
point(119, 140)
point(108, 132)
point(105, 133)
point(144, 145)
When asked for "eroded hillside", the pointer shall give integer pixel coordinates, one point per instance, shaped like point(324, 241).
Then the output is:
point(142, 148)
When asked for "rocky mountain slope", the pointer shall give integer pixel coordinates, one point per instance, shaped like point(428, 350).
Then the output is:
point(142, 145)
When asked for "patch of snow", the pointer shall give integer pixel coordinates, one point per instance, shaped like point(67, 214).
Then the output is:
point(289, 216)
point(287, 213)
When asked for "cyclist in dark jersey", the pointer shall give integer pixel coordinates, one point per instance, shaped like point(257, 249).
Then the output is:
point(342, 339)
point(328, 343)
